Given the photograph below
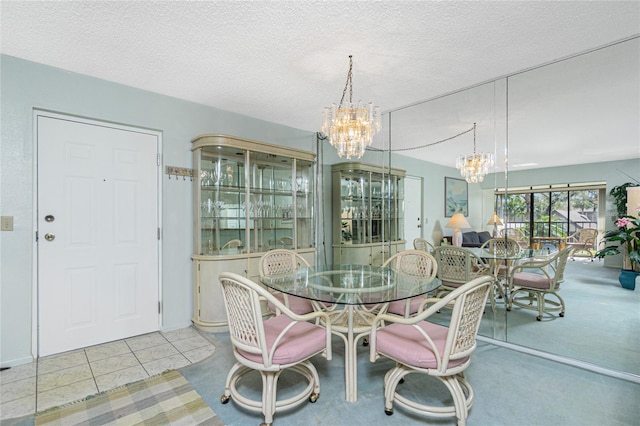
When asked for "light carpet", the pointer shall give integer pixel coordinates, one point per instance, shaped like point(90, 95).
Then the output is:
point(159, 400)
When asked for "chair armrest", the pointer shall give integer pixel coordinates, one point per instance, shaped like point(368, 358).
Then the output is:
point(296, 318)
point(382, 319)
point(426, 302)
point(542, 266)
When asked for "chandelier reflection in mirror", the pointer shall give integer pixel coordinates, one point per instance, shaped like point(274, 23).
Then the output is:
point(350, 127)
point(476, 166)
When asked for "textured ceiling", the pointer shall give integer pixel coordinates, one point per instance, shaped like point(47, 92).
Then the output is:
point(284, 61)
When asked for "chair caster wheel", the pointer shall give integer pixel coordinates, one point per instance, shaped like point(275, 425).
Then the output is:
point(314, 397)
point(401, 380)
point(365, 342)
point(224, 399)
point(539, 318)
point(388, 412)
point(562, 314)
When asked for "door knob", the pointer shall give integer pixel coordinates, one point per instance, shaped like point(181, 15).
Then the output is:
point(49, 236)
point(49, 218)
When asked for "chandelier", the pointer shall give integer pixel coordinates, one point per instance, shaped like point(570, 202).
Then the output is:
point(476, 166)
point(350, 127)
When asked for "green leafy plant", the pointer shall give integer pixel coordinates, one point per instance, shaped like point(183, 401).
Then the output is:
point(619, 195)
point(625, 240)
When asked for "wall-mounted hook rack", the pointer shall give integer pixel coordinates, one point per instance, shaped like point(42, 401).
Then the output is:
point(179, 171)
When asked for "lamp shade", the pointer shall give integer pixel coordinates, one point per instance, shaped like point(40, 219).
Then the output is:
point(457, 221)
point(495, 220)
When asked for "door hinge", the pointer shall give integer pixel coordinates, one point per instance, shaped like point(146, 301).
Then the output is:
point(158, 159)
point(36, 236)
point(159, 308)
point(158, 233)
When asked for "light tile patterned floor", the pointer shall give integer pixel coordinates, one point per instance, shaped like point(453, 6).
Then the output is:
point(70, 376)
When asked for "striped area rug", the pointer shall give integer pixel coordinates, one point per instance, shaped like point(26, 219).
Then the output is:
point(167, 399)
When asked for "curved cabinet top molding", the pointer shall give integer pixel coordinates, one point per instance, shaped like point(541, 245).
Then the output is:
point(210, 142)
point(356, 167)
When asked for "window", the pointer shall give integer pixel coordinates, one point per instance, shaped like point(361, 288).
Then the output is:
point(552, 212)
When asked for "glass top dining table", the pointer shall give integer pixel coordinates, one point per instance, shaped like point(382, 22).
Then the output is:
point(350, 284)
point(352, 295)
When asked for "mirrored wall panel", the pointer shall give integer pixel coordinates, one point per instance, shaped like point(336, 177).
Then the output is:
point(563, 135)
point(582, 114)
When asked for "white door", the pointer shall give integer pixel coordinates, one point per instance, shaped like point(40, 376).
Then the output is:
point(97, 233)
point(412, 209)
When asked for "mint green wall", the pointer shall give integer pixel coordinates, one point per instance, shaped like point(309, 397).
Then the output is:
point(26, 85)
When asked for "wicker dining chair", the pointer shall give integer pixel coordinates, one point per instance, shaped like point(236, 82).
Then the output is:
point(422, 244)
point(583, 241)
point(283, 261)
point(283, 342)
point(457, 266)
point(414, 264)
point(419, 346)
point(533, 282)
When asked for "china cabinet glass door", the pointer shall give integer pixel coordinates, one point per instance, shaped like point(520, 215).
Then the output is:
point(222, 194)
point(271, 206)
point(304, 230)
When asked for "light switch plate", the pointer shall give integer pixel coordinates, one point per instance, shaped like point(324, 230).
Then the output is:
point(7, 223)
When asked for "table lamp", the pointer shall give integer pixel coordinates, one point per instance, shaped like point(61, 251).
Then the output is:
point(495, 221)
point(457, 221)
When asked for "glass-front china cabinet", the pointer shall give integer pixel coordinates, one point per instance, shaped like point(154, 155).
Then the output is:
point(250, 197)
point(368, 213)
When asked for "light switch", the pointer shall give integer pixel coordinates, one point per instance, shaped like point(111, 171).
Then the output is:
point(7, 223)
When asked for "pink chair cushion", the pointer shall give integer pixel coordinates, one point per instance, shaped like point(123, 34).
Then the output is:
point(531, 280)
point(297, 305)
point(302, 341)
point(406, 345)
point(398, 307)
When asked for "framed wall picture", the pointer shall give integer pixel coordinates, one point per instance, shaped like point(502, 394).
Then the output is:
point(456, 197)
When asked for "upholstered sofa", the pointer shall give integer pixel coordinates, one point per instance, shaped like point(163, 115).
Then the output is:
point(473, 238)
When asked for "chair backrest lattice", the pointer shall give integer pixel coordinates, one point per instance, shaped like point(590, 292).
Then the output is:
point(457, 264)
point(502, 246)
point(465, 321)
point(415, 263)
point(244, 314)
point(281, 261)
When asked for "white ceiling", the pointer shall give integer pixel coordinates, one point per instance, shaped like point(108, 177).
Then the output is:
point(283, 61)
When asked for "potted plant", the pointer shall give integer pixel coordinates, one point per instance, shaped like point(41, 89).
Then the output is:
point(625, 239)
